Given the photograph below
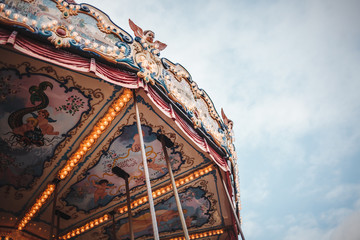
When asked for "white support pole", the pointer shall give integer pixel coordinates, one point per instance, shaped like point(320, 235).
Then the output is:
point(232, 207)
point(146, 171)
point(178, 204)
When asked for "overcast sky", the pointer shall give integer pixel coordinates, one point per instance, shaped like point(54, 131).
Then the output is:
point(288, 74)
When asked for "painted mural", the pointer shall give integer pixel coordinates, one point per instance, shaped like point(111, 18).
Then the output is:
point(32, 107)
point(100, 185)
point(196, 207)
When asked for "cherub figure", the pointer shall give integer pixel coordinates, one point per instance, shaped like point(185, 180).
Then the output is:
point(156, 166)
point(43, 118)
point(229, 124)
point(101, 187)
point(147, 37)
point(135, 147)
point(29, 133)
point(30, 125)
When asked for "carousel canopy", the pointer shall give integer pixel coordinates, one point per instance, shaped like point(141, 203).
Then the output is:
point(75, 90)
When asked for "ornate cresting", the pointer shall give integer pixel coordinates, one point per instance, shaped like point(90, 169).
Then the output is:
point(87, 30)
point(78, 26)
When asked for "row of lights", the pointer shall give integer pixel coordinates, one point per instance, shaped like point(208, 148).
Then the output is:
point(38, 204)
point(142, 200)
point(102, 21)
point(88, 226)
point(88, 142)
point(109, 50)
point(201, 235)
point(161, 191)
point(179, 73)
point(6, 238)
point(71, 6)
point(16, 16)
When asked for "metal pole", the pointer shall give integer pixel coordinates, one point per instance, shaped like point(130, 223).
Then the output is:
point(53, 213)
point(57, 227)
point(232, 207)
point(129, 208)
point(178, 204)
point(146, 172)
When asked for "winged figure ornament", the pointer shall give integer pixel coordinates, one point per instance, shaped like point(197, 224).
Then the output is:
point(147, 37)
point(228, 122)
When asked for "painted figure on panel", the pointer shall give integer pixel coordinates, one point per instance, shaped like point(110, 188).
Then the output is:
point(44, 125)
point(32, 132)
point(101, 187)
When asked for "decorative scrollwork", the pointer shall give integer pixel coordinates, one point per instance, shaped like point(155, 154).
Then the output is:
point(68, 9)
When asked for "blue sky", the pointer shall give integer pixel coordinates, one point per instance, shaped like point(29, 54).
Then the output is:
point(288, 74)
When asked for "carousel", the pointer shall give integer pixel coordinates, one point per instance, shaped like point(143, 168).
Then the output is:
point(101, 138)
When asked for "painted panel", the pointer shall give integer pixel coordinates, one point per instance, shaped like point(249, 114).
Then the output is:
point(37, 112)
point(100, 185)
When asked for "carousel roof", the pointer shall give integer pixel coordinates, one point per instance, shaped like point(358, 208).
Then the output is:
point(70, 82)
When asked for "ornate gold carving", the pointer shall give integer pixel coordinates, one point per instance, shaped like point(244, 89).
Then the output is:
point(149, 66)
point(67, 9)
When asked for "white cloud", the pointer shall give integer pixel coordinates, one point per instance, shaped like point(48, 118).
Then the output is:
point(251, 227)
point(257, 191)
point(303, 233)
point(348, 229)
point(343, 192)
point(333, 224)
